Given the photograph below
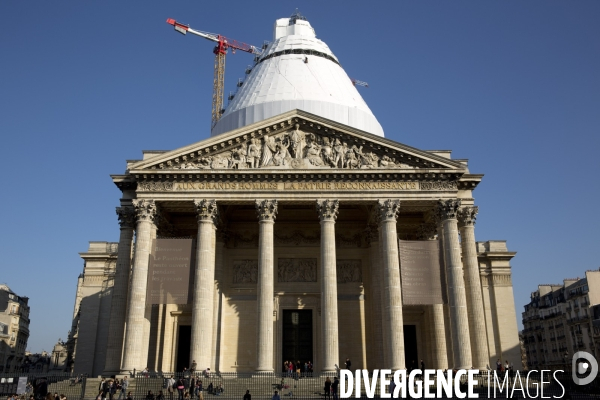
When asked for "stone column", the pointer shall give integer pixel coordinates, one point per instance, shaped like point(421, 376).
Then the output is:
point(328, 211)
point(375, 300)
point(118, 308)
point(266, 211)
point(457, 299)
point(204, 284)
point(445, 307)
point(392, 292)
point(145, 210)
point(438, 330)
point(218, 298)
point(466, 223)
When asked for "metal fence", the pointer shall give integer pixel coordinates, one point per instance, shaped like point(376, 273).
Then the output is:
point(309, 386)
point(297, 386)
point(38, 385)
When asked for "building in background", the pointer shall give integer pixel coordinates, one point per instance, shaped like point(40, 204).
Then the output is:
point(561, 320)
point(36, 363)
point(14, 329)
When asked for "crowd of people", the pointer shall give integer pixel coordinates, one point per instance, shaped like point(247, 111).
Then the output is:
point(108, 388)
point(298, 369)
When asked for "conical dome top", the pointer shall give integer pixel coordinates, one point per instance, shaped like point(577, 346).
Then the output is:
point(297, 71)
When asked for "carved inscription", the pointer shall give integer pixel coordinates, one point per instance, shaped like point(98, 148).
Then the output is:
point(348, 271)
point(297, 270)
point(296, 186)
point(155, 186)
point(438, 185)
point(245, 271)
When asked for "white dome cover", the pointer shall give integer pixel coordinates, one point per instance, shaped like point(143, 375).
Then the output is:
point(284, 82)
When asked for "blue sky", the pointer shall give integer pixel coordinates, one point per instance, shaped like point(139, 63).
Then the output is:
point(514, 86)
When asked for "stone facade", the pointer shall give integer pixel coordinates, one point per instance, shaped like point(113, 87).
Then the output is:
point(86, 347)
point(561, 320)
point(280, 228)
point(14, 329)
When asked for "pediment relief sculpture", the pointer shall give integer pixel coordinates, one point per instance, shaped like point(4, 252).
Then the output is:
point(294, 144)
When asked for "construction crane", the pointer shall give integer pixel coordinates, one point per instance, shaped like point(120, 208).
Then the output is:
point(220, 50)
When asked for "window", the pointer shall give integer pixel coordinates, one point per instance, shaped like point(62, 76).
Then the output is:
point(3, 329)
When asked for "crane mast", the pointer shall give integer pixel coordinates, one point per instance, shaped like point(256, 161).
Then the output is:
point(220, 51)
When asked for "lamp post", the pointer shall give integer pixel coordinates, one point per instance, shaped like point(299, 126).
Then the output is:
point(566, 356)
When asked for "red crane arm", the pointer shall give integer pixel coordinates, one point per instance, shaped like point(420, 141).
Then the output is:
point(223, 42)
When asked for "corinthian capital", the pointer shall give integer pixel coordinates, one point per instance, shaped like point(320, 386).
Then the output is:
point(145, 210)
point(206, 210)
point(328, 209)
point(447, 209)
point(266, 210)
point(467, 216)
point(126, 217)
point(388, 209)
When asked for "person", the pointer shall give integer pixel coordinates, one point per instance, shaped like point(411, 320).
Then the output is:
point(422, 365)
point(101, 385)
point(105, 389)
point(206, 372)
point(171, 386)
point(193, 367)
point(145, 372)
point(160, 395)
point(276, 396)
point(192, 388)
point(129, 396)
point(210, 389)
point(348, 363)
point(334, 387)
point(199, 390)
point(58, 398)
point(327, 387)
point(247, 396)
point(219, 389)
point(99, 397)
point(180, 388)
point(149, 396)
point(112, 389)
point(124, 385)
point(498, 365)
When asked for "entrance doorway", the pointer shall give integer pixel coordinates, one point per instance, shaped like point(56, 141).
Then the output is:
point(411, 356)
point(297, 336)
point(184, 337)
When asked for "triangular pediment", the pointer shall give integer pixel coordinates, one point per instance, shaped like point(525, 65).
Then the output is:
point(296, 140)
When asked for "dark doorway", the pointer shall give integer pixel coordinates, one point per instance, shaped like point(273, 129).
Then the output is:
point(184, 339)
point(297, 336)
point(411, 356)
